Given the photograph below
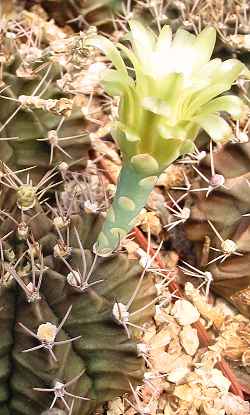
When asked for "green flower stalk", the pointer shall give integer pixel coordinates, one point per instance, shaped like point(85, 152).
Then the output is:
point(173, 92)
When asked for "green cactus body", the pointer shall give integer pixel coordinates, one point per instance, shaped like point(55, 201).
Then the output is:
point(29, 127)
point(225, 208)
point(37, 115)
point(96, 12)
point(104, 356)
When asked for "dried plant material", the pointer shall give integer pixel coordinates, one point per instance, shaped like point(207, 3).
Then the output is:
point(213, 378)
point(224, 307)
point(155, 200)
point(161, 339)
point(189, 340)
point(48, 29)
point(112, 168)
point(206, 310)
point(149, 332)
point(213, 408)
point(161, 315)
point(241, 298)
point(171, 177)
point(168, 410)
point(89, 81)
point(39, 11)
point(97, 143)
point(173, 327)
point(184, 392)
point(234, 405)
point(178, 375)
point(185, 313)
point(115, 407)
point(131, 247)
point(61, 106)
point(171, 259)
point(105, 148)
point(163, 361)
point(209, 359)
point(150, 220)
point(175, 346)
point(240, 41)
point(176, 360)
point(234, 340)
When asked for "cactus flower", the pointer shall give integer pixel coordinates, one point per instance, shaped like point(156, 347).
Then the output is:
point(173, 91)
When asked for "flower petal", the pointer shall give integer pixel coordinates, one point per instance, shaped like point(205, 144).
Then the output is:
point(228, 103)
point(204, 45)
point(166, 151)
point(157, 106)
point(187, 147)
point(195, 101)
point(229, 71)
point(183, 39)
point(130, 134)
point(143, 41)
point(217, 128)
point(164, 41)
point(115, 83)
point(108, 48)
point(182, 54)
point(141, 84)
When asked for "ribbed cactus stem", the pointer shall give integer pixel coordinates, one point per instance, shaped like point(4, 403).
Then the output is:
point(131, 196)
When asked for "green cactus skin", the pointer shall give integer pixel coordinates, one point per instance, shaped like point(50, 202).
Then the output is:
point(96, 12)
point(31, 124)
point(224, 208)
point(131, 196)
point(104, 351)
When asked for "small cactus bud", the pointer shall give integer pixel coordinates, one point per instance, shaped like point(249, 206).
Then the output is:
point(26, 197)
point(60, 222)
point(22, 231)
point(47, 332)
point(229, 246)
point(61, 250)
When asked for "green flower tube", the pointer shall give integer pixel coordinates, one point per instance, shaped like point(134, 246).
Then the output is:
point(175, 91)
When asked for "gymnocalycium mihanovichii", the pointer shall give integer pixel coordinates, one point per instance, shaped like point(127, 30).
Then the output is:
point(174, 92)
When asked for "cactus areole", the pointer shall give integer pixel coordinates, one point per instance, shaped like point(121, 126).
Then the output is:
point(174, 93)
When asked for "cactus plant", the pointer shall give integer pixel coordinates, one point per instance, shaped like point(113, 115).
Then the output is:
point(51, 285)
point(53, 291)
point(92, 12)
point(226, 209)
point(38, 116)
point(162, 110)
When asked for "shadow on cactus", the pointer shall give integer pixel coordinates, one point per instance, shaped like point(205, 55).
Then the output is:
point(69, 319)
point(98, 13)
point(172, 95)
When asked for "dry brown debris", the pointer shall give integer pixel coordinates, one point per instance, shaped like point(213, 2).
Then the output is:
point(234, 340)
point(182, 377)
